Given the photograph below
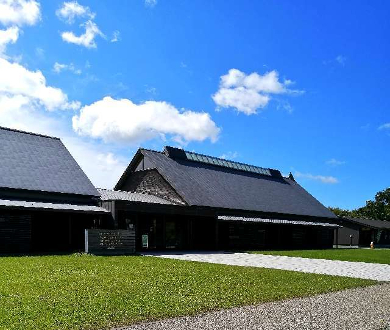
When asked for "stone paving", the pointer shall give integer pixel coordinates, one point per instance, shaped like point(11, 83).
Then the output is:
point(371, 271)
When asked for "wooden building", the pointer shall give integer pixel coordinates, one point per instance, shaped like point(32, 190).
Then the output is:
point(177, 199)
point(173, 199)
point(46, 200)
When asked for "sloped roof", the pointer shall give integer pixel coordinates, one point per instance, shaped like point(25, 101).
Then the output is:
point(40, 163)
point(112, 195)
point(378, 224)
point(203, 184)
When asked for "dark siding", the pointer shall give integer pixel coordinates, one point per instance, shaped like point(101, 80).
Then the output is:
point(15, 232)
point(345, 232)
point(151, 182)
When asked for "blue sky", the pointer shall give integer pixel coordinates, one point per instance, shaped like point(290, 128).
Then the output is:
point(295, 85)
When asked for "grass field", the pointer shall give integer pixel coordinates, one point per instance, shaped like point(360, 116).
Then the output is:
point(380, 256)
point(88, 292)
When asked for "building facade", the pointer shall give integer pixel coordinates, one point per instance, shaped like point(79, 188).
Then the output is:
point(46, 200)
point(203, 202)
point(173, 199)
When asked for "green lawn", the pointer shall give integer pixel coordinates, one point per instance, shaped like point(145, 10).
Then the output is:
point(380, 256)
point(88, 292)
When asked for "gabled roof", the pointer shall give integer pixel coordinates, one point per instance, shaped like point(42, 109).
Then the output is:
point(112, 195)
point(36, 162)
point(204, 183)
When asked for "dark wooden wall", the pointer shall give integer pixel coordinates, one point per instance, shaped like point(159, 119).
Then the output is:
point(15, 232)
point(345, 232)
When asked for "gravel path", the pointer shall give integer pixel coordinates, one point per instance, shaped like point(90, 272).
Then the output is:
point(370, 271)
point(355, 309)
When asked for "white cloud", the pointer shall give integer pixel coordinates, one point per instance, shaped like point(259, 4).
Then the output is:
point(19, 12)
point(103, 167)
point(87, 39)
point(59, 67)
point(340, 59)
point(248, 93)
point(8, 36)
point(321, 178)
point(115, 36)
point(124, 121)
point(150, 3)
point(229, 155)
point(16, 80)
point(72, 9)
point(335, 162)
point(384, 126)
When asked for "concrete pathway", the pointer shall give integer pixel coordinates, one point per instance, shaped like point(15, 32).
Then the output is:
point(354, 309)
point(371, 271)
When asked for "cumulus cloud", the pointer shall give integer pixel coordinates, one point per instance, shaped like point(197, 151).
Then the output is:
point(59, 67)
point(87, 39)
point(150, 3)
point(124, 121)
point(19, 12)
point(103, 167)
point(8, 36)
point(16, 80)
point(71, 10)
point(335, 162)
point(320, 178)
point(248, 93)
point(384, 126)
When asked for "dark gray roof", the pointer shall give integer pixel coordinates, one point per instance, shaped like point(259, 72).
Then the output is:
point(208, 185)
point(378, 224)
point(111, 195)
point(40, 163)
point(277, 221)
point(51, 206)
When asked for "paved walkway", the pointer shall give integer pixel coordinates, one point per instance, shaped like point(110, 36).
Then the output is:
point(354, 309)
point(371, 271)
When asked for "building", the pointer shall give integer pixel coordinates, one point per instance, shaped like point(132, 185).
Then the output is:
point(361, 232)
point(177, 199)
point(46, 200)
point(172, 199)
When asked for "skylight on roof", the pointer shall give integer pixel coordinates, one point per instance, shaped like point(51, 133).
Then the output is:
point(226, 163)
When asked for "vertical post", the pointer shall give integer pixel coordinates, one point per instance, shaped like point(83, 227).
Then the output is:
point(337, 237)
point(216, 234)
point(70, 230)
point(86, 240)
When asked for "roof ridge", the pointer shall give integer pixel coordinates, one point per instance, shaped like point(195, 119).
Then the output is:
point(26, 132)
point(146, 149)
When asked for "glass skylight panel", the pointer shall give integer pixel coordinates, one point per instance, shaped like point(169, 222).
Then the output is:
point(226, 163)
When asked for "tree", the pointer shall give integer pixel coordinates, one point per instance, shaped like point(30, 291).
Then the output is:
point(378, 209)
point(341, 212)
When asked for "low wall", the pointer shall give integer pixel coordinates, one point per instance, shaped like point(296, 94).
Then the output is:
point(109, 242)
